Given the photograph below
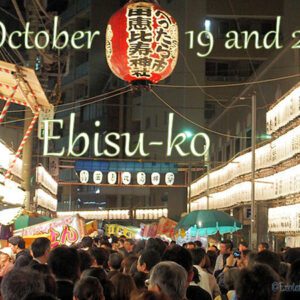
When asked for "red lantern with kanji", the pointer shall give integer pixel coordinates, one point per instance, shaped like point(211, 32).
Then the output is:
point(142, 42)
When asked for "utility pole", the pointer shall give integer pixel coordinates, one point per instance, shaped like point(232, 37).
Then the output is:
point(253, 236)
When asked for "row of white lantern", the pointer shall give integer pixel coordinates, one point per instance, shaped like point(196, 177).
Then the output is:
point(284, 218)
point(126, 178)
point(10, 192)
point(6, 158)
point(114, 214)
point(286, 110)
point(149, 214)
point(271, 154)
point(45, 200)
point(46, 180)
point(281, 184)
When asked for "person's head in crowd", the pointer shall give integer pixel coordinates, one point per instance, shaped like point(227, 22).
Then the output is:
point(147, 260)
point(294, 274)
point(40, 296)
point(173, 243)
point(198, 256)
point(16, 243)
point(196, 276)
point(106, 245)
point(213, 248)
point(124, 286)
point(129, 245)
point(190, 246)
point(231, 278)
point(263, 246)
point(64, 263)
point(86, 242)
point(121, 241)
point(100, 274)
point(244, 259)
point(269, 258)
point(44, 270)
point(169, 278)
point(284, 270)
point(257, 283)
point(150, 295)
point(101, 256)
point(181, 256)
point(88, 288)
point(40, 249)
point(115, 261)
point(21, 282)
point(212, 257)
point(127, 262)
point(139, 247)
point(139, 279)
point(243, 245)
point(157, 245)
point(6, 263)
point(291, 255)
point(86, 260)
point(226, 247)
point(198, 244)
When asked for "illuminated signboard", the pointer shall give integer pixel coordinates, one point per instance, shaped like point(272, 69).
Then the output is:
point(199, 143)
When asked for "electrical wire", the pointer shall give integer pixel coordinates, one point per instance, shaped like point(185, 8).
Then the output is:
point(77, 106)
point(9, 14)
point(194, 123)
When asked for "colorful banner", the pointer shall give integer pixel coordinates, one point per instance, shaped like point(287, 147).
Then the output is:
point(118, 230)
point(166, 227)
point(62, 231)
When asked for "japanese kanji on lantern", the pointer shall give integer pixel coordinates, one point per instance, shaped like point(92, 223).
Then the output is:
point(142, 42)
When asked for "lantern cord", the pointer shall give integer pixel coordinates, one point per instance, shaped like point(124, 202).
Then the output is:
point(193, 122)
point(97, 100)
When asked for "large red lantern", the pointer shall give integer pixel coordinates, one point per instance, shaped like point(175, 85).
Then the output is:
point(142, 42)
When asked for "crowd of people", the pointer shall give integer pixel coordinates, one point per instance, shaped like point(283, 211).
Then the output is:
point(124, 269)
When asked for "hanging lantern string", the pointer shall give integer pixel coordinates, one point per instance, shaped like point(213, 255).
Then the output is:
point(7, 104)
point(23, 142)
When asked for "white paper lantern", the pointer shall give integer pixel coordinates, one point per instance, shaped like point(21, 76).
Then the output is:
point(169, 178)
point(126, 178)
point(155, 178)
point(141, 178)
point(97, 177)
point(84, 176)
point(112, 177)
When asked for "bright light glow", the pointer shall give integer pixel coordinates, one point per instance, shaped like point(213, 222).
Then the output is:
point(11, 193)
point(269, 155)
point(45, 200)
point(7, 216)
point(286, 110)
point(98, 215)
point(272, 187)
point(188, 133)
point(97, 191)
point(207, 25)
point(46, 180)
point(150, 214)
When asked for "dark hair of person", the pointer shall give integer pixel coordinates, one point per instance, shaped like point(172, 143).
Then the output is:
point(256, 283)
point(106, 244)
point(181, 256)
point(157, 245)
point(230, 278)
point(101, 255)
point(244, 243)
point(265, 245)
point(86, 242)
point(115, 260)
point(100, 274)
point(294, 274)
point(197, 255)
point(40, 296)
point(130, 241)
point(17, 241)
point(124, 286)
point(196, 276)
point(139, 279)
point(20, 282)
point(291, 255)
point(150, 295)
point(228, 244)
point(127, 262)
point(198, 244)
point(269, 258)
point(49, 280)
point(246, 252)
point(191, 243)
point(150, 258)
point(40, 246)
point(86, 260)
point(88, 288)
point(212, 257)
point(64, 263)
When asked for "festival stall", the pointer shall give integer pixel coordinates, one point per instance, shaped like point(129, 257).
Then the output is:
point(130, 232)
